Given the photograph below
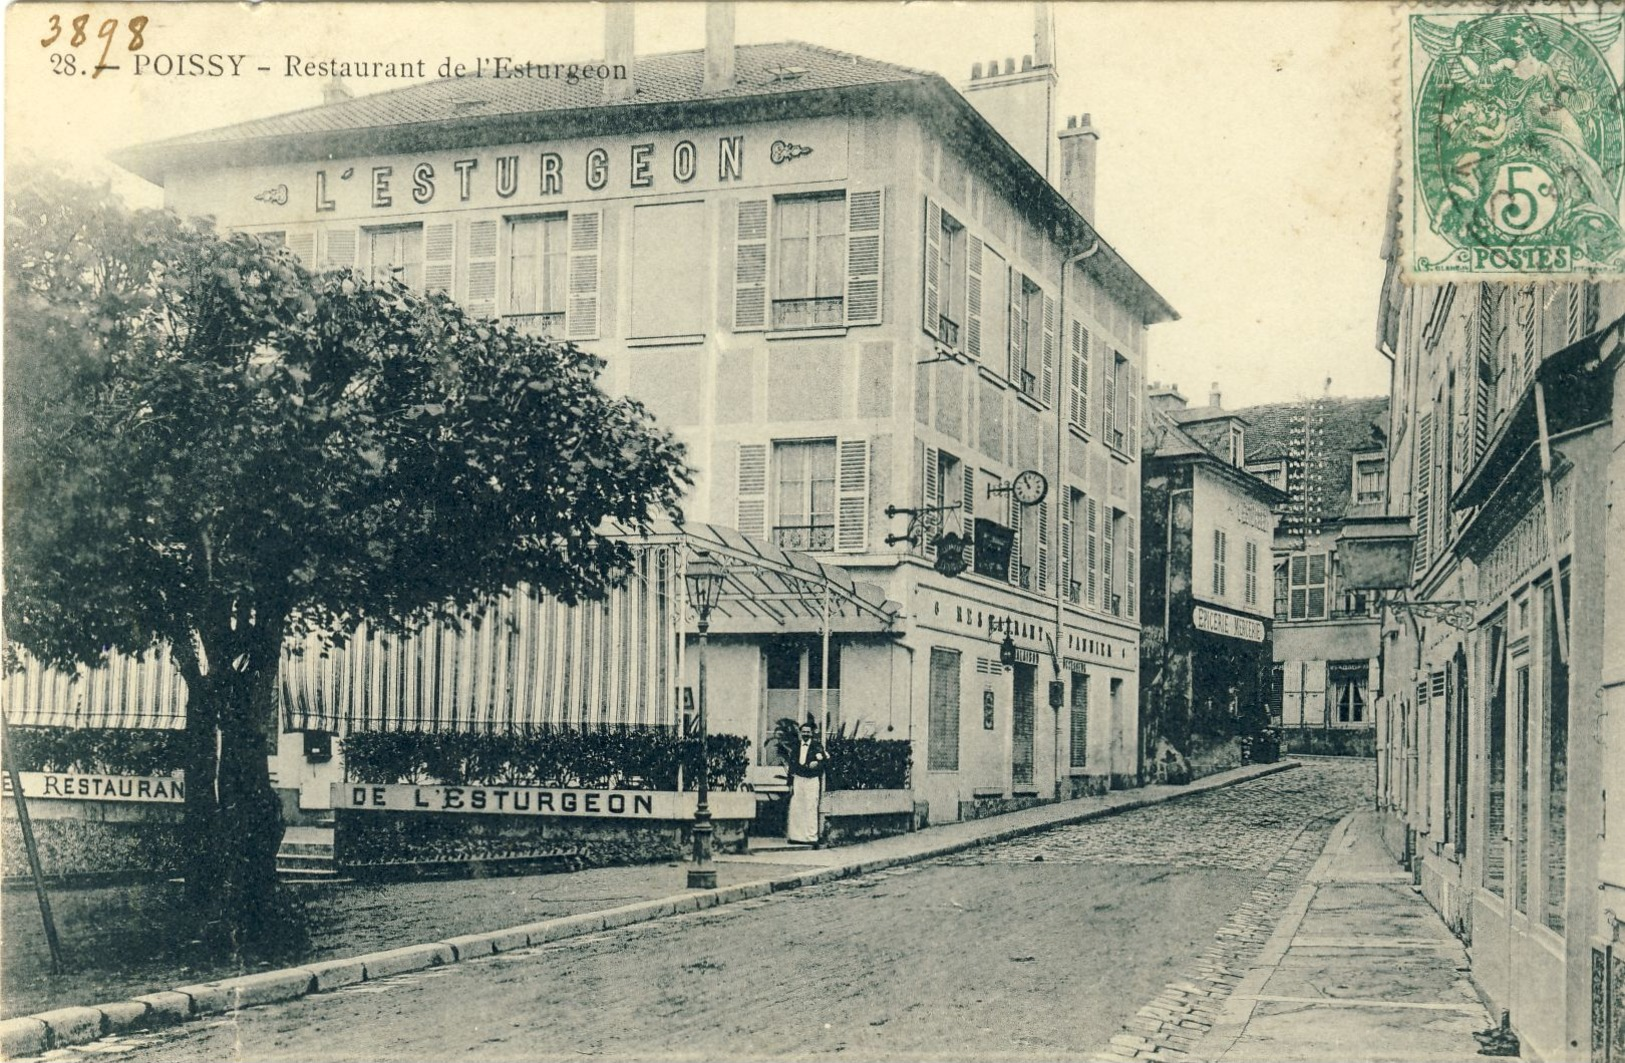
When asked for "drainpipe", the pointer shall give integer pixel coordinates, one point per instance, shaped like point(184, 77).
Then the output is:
point(1060, 464)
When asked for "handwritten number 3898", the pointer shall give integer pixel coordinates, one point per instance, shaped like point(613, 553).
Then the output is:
point(105, 32)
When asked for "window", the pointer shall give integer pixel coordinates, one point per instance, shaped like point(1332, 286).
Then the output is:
point(1370, 480)
point(1307, 587)
point(538, 273)
point(1074, 559)
point(951, 271)
point(804, 474)
point(1281, 589)
point(1250, 576)
point(1026, 333)
point(809, 283)
point(1272, 473)
point(1221, 548)
point(396, 252)
point(792, 671)
point(942, 742)
point(1348, 681)
point(670, 269)
point(1236, 445)
point(1080, 720)
point(1353, 604)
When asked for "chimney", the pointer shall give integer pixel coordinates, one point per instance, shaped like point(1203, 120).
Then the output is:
point(719, 47)
point(618, 51)
point(1213, 396)
point(1166, 398)
point(334, 90)
point(1018, 99)
point(1078, 144)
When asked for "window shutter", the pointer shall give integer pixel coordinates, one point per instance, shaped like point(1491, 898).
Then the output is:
point(1013, 339)
point(750, 266)
point(1107, 575)
point(929, 493)
point(1079, 412)
point(302, 242)
point(1067, 518)
point(973, 297)
point(1131, 437)
point(1014, 574)
point(1423, 503)
point(1108, 403)
point(852, 506)
point(933, 265)
point(1043, 545)
point(1092, 560)
point(339, 248)
point(752, 494)
point(967, 513)
point(1131, 573)
point(439, 250)
point(865, 233)
point(1047, 380)
point(478, 270)
point(586, 254)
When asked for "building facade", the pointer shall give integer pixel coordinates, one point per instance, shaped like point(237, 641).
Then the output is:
point(1205, 651)
point(1501, 726)
point(862, 303)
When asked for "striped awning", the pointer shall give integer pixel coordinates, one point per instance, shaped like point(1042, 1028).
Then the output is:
point(126, 691)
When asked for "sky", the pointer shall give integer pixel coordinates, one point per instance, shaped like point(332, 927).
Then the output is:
point(1245, 156)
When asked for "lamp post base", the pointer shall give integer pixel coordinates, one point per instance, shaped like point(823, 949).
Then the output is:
point(703, 875)
point(702, 878)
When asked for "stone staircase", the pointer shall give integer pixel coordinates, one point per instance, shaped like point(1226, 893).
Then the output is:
point(306, 855)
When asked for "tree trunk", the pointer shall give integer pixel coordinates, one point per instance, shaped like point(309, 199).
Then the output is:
point(250, 815)
point(201, 811)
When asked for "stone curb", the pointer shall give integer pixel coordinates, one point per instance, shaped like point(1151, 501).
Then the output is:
point(33, 1035)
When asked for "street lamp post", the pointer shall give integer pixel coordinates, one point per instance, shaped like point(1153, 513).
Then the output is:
point(704, 579)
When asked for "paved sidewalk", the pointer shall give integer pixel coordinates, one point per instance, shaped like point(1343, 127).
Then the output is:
point(1359, 967)
point(603, 898)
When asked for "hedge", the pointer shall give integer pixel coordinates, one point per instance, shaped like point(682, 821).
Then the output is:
point(98, 750)
point(642, 759)
point(869, 763)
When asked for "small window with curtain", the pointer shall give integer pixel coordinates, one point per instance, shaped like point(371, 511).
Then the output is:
point(804, 495)
point(1348, 681)
point(538, 274)
point(396, 251)
point(951, 271)
point(809, 282)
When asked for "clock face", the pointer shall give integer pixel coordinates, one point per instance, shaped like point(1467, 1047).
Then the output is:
point(1030, 487)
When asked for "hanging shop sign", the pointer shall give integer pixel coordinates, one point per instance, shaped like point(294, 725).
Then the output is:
point(1229, 625)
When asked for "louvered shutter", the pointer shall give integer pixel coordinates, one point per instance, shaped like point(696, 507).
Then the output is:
point(1108, 577)
point(1092, 559)
point(973, 297)
point(302, 242)
point(1015, 540)
point(750, 266)
point(339, 248)
point(967, 513)
point(1131, 573)
point(1013, 339)
point(1043, 545)
point(865, 234)
point(1108, 393)
point(751, 505)
point(933, 266)
point(1079, 409)
point(852, 505)
point(439, 251)
point(1066, 545)
point(929, 493)
point(478, 269)
point(586, 255)
point(1047, 380)
point(1423, 502)
point(1131, 401)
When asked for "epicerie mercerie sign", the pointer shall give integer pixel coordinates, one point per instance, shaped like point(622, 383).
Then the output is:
point(512, 800)
point(1229, 625)
point(72, 786)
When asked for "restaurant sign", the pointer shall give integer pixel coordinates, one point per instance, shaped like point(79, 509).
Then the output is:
point(537, 801)
point(1215, 622)
point(72, 786)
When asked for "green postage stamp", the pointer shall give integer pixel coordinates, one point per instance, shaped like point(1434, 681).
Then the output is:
point(1515, 141)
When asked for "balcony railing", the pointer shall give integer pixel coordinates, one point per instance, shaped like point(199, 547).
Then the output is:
point(948, 330)
point(1074, 593)
point(1025, 577)
point(543, 326)
point(810, 538)
point(1029, 384)
point(809, 313)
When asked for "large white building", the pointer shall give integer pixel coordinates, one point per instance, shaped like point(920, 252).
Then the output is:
point(849, 288)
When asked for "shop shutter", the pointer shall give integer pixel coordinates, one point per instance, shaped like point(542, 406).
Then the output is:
point(750, 266)
point(586, 255)
point(929, 493)
point(1080, 720)
point(973, 297)
point(439, 251)
point(1047, 378)
point(942, 741)
point(852, 505)
point(1131, 568)
point(967, 514)
point(1066, 544)
point(752, 493)
point(339, 248)
point(933, 264)
point(1091, 565)
point(865, 253)
point(478, 268)
point(302, 242)
point(1043, 545)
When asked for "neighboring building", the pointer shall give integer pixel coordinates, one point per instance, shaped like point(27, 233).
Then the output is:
point(1502, 725)
point(1205, 650)
point(1328, 457)
point(846, 289)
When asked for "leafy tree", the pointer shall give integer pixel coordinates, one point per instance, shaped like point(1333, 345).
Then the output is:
point(209, 446)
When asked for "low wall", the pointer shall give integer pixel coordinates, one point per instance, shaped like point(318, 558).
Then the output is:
point(383, 830)
point(1330, 741)
point(93, 828)
point(858, 815)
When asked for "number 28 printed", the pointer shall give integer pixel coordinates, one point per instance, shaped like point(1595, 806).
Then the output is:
point(66, 63)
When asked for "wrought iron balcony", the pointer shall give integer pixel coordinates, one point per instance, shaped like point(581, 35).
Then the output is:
point(1074, 593)
point(809, 313)
point(948, 331)
point(542, 326)
point(809, 538)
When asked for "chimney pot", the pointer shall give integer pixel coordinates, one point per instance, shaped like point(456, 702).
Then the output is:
point(619, 50)
point(334, 90)
point(1026, 62)
point(975, 71)
point(1009, 65)
point(1213, 396)
point(719, 47)
point(1072, 121)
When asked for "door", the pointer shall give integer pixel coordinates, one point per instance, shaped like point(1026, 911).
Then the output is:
point(1021, 726)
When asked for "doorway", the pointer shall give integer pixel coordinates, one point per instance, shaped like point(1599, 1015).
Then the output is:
point(1021, 726)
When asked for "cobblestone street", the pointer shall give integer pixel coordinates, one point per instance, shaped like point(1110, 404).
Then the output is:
point(1112, 939)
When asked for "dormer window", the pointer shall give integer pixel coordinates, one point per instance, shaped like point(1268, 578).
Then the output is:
point(1370, 480)
point(1236, 445)
point(1271, 472)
